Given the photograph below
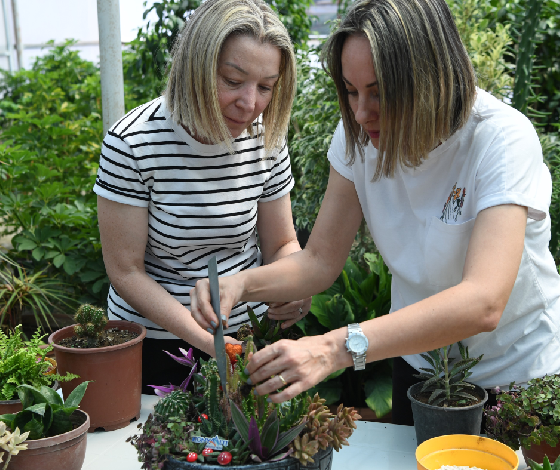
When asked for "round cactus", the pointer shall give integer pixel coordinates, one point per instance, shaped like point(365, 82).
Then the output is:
point(174, 404)
point(90, 321)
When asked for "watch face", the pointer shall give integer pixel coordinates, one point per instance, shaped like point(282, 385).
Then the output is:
point(357, 344)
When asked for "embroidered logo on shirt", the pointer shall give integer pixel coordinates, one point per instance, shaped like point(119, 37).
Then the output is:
point(454, 204)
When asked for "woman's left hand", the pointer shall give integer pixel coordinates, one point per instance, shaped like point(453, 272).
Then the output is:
point(289, 312)
point(298, 364)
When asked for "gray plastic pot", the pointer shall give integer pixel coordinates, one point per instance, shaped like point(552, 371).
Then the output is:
point(322, 461)
point(433, 421)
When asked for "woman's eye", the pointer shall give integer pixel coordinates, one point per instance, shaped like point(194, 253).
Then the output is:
point(265, 88)
point(231, 82)
point(352, 93)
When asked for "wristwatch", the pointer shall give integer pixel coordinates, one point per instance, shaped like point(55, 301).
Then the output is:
point(357, 344)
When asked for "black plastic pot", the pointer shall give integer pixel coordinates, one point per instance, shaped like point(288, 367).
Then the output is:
point(323, 461)
point(433, 421)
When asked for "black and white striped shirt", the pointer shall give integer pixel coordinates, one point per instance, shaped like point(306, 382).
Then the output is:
point(201, 200)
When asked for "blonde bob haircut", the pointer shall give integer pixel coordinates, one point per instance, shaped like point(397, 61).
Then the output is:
point(427, 85)
point(191, 94)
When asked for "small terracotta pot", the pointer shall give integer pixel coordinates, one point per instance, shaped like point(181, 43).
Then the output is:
point(66, 451)
point(537, 452)
point(113, 398)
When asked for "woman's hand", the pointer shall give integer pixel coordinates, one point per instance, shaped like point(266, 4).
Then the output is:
point(201, 307)
point(289, 312)
point(298, 364)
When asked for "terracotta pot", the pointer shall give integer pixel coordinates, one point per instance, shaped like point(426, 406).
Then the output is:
point(433, 421)
point(113, 398)
point(537, 452)
point(66, 451)
point(10, 406)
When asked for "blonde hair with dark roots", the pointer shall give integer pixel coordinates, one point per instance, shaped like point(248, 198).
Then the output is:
point(427, 85)
point(191, 94)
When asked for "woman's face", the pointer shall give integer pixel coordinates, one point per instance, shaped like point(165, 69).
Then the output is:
point(247, 73)
point(361, 85)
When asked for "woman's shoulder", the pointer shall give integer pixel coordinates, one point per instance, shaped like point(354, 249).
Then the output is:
point(151, 113)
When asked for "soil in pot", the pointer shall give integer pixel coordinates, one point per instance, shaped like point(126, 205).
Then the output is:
point(109, 337)
point(65, 451)
point(537, 452)
point(433, 421)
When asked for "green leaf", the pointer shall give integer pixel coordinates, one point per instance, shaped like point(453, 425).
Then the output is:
point(240, 422)
point(60, 423)
point(286, 437)
point(27, 244)
point(76, 395)
point(59, 260)
point(378, 393)
point(37, 409)
point(35, 429)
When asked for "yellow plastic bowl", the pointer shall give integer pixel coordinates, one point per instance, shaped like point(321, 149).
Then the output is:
point(467, 450)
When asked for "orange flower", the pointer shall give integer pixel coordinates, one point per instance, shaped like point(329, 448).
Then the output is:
point(232, 350)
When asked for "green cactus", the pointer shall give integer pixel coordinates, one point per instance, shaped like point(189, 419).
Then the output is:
point(524, 66)
point(91, 322)
point(176, 404)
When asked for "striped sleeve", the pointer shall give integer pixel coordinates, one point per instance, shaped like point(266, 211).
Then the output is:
point(119, 178)
point(281, 180)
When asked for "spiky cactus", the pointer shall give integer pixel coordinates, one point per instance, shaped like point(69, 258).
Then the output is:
point(90, 323)
point(176, 404)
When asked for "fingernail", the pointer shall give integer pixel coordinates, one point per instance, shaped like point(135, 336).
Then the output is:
point(269, 400)
point(255, 392)
point(210, 330)
point(245, 371)
point(249, 381)
point(213, 323)
point(224, 318)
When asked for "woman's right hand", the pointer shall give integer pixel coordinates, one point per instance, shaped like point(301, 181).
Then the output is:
point(231, 289)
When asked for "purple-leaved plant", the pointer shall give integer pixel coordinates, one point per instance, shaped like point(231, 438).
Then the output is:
point(186, 360)
point(265, 445)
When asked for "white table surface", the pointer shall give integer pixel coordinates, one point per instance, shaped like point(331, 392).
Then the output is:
point(373, 446)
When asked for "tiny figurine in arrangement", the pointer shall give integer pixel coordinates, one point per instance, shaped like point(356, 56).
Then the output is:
point(197, 422)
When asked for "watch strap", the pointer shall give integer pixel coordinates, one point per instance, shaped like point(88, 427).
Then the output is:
point(359, 359)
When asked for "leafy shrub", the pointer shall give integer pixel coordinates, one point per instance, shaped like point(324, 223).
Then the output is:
point(49, 151)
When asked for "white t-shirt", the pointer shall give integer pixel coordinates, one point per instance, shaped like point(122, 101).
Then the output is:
point(201, 200)
point(422, 219)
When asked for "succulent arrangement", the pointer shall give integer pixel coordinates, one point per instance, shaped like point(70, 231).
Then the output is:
point(545, 465)
point(198, 422)
point(265, 331)
point(25, 363)
point(90, 323)
point(446, 380)
point(526, 416)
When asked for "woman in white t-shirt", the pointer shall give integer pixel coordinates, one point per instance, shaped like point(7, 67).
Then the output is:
point(197, 173)
point(453, 187)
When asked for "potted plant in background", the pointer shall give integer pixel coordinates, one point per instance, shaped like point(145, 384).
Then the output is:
point(55, 429)
point(357, 295)
point(39, 293)
point(528, 418)
point(108, 353)
point(444, 402)
point(24, 363)
point(202, 427)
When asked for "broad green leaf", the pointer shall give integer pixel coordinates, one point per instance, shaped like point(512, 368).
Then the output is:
point(37, 409)
point(35, 429)
point(378, 393)
point(59, 260)
point(60, 423)
point(76, 395)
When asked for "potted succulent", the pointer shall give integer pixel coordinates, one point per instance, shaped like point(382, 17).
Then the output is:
point(197, 426)
point(24, 363)
point(444, 402)
point(108, 353)
point(546, 464)
point(528, 418)
point(55, 429)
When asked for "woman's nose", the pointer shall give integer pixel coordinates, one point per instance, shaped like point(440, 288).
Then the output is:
point(248, 98)
point(366, 112)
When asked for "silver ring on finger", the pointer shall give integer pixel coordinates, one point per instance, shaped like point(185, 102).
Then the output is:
point(301, 311)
